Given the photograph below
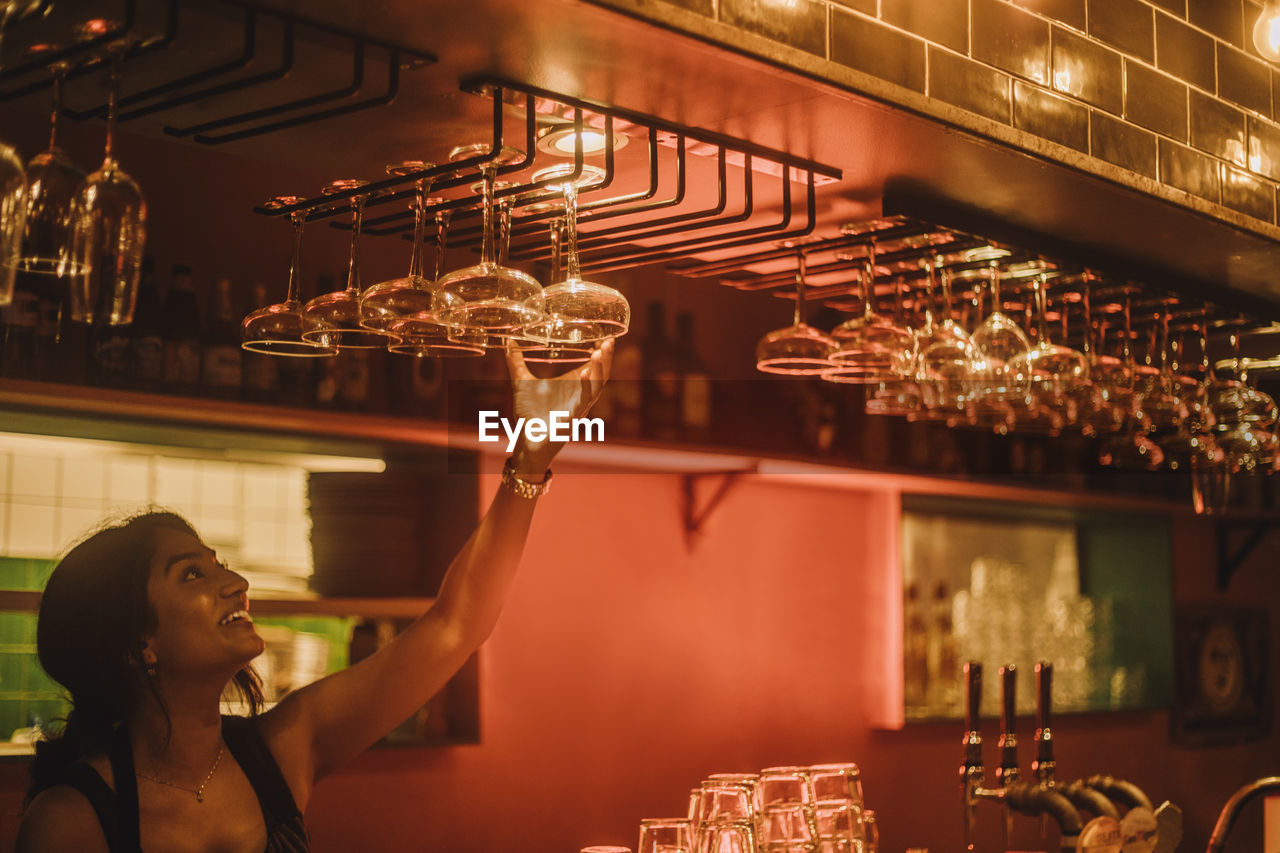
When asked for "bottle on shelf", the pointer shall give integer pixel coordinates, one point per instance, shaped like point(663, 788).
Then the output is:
point(182, 334)
point(222, 370)
point(943, 659)
point(111, 367)
point(261, 371)
point(147, 344)
point(915, 663)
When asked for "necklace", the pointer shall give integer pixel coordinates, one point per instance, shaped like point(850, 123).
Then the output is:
point(199, 792)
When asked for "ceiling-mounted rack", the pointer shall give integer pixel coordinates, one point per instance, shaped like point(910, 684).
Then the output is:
point(125, 36)
point(755, 199)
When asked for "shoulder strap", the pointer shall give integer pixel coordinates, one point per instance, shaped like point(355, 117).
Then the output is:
point(88, 782)
point(129, 835)
point(259, 765)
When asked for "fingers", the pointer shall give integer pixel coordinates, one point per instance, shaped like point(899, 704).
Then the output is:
point(515, 364)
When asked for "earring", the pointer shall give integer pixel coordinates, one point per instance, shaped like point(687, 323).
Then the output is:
point(151, 669)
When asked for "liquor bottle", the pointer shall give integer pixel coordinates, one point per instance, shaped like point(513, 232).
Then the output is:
point(147, 345)
point(261, 371)
point(661, 372)
point(915, 661)
point(222, 371)
point(111, 368)
point(696, 405)
point(943, 657)
point(182, 334)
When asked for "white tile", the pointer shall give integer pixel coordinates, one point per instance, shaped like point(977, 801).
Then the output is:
point(83, 479)
point(217, 530)
point(32, 531)
point(4, 526)
point(129, 481)
point(4, 474)
point(262, 487)
point(177, 485)
point(74, 523)
point(294, 481)
point(219, 484)
point(34, 476)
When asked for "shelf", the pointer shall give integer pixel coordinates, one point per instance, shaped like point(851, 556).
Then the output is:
point(23, 600)
point(141, 418)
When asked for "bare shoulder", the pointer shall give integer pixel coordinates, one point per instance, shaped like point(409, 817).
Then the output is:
point(60, 819)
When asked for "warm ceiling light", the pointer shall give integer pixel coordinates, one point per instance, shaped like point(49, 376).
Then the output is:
point(559, 140)
point(1266, 32)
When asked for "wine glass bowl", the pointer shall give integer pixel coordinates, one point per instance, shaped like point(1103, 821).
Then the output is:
point(487, 295)
point(798, 349)
point(13, 215)
point(870, 348)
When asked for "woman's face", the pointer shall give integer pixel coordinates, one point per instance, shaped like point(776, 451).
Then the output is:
point(201, 606)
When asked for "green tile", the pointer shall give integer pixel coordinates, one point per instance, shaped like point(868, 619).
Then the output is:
point(12, 667)
point(13, 629)
point(13, 573)
point(37, 680)
point(40, 571)
point(12, 716)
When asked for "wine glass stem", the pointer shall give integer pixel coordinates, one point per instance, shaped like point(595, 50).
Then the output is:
point(353, 265)
point(800, 273)
point(996, 304)
point(504, 232)
point(295, 268)
point(442, 239)
point(571, 229)
point(113, 90)
point(868, 280)
point(556, 225)
point(486, 240)
point(947, 307)
point(930, 285)
point(1087, 308)
point(415, 257)
point(58, 77)
point(1042, 310)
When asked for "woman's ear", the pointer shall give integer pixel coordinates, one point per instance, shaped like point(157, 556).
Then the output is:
point(148, 658)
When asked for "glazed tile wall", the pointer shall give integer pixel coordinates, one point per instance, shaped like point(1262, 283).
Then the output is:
point(1170, 90)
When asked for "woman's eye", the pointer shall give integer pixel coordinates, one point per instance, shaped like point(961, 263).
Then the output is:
point(192, 573)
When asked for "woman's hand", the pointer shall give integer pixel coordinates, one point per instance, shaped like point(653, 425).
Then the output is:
point(573, 391)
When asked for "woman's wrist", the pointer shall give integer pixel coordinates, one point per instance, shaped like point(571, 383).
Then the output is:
point(532, 462)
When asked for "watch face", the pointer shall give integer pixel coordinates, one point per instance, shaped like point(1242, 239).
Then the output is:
point(1221, 668)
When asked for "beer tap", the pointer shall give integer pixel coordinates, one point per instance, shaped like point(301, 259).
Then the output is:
point(1227, 817)
point(971, 771)
point(1043, 765)
point(1007, 773)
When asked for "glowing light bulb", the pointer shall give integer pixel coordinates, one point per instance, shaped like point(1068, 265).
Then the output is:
point(1266, 32)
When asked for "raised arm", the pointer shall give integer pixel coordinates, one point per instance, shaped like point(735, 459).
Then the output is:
point(323, 725)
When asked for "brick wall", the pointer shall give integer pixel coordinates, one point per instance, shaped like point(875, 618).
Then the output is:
point(1168, 91)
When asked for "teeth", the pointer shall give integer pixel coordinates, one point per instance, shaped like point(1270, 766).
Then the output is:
point(234, 617)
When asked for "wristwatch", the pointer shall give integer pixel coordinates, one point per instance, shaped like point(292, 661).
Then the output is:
point(522, 487)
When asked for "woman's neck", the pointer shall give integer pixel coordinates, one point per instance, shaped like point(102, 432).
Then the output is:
point(184, 735)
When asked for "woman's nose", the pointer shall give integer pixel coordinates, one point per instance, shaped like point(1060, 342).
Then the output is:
point(234, 584)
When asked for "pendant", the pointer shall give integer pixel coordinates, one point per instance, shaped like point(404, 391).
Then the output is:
point(199, 796)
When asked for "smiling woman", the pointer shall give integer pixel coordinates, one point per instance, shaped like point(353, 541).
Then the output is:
point(147, 630)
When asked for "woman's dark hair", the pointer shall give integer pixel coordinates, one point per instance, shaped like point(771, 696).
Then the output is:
point(93, 616)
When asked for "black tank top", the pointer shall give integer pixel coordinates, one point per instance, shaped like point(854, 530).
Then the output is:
point(118, 810)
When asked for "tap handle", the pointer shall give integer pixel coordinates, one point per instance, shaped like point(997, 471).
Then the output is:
point(1008, 771)
point(972, 695)
point(1043, 766)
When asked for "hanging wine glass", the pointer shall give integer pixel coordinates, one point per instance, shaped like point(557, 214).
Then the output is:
point(1051, 372)
point(900, 396)
point(53, 181)
point(535, 349)
point(13, 215)
point(277, 329)
point(488, 295)
point(870, 348)
point(421, 332)
point(108, 237)
point(335, 316)
point(997, 341)
point(1246, 417)
point(577, 311)
point(384, 303)
point(799, 349)
point(947, 363)
point(1092, 407)
point(1130, 447)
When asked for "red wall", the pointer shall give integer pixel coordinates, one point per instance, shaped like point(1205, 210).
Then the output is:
point(627, 667)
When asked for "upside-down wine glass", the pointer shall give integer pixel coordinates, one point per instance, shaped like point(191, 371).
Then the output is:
point(870, 348)
point(577, 311)
point(387, 302)
point(1130, 447)
point(13, 215)
point(1052, 372)
point(487, 295)
point(277, 329)
point(997, 341)
point(900, 396)
point(422, 333)
point(336, 316)
point(53, 181)
point(946, 365)
point(799, 349)
point(535, 349)
point(108, 235)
